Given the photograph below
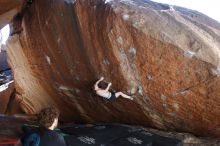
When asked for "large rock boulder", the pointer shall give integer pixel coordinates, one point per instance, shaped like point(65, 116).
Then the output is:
point(167, 57)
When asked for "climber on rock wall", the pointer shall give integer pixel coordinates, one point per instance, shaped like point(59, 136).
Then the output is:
point(105, 93)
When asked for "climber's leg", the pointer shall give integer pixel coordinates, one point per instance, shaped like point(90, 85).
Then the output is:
point(123, 95)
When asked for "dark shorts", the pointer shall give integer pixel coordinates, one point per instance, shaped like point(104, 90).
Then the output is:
point(113, 97)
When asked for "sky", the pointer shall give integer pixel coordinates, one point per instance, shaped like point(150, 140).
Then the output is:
point(5, 33)
point(209, 7)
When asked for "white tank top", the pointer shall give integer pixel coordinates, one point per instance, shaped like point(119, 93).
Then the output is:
point(104, 94)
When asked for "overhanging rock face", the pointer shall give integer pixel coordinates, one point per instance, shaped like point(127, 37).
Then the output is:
point(168, 57)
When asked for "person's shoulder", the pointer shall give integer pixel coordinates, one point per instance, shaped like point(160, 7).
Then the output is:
point(58, 139)
point(53, 133)
point(31, 136)
point(30, 132)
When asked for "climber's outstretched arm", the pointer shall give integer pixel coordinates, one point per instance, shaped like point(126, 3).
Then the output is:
point(109, 85)
point(96, 84)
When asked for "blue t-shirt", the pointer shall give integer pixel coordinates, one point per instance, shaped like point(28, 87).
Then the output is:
point(42, 137)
